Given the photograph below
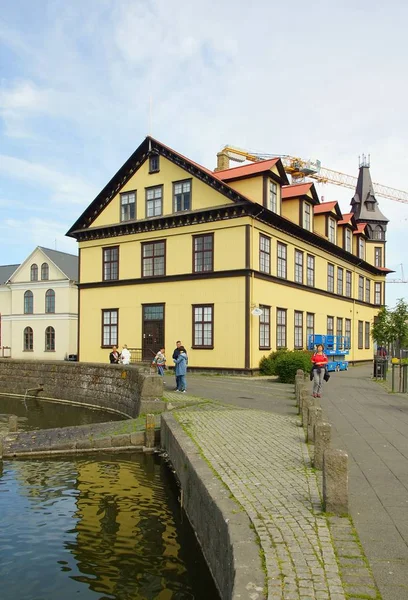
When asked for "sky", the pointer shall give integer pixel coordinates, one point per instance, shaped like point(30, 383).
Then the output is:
point(83, 82)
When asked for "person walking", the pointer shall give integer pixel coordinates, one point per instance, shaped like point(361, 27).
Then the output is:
point(114, 356)
point(181, 370)
point(319, 360)
point(125, 356)
point(160, 362)
point(175, 356)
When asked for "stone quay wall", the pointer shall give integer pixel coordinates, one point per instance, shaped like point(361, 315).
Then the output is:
point(125, 389)
point(221, 526)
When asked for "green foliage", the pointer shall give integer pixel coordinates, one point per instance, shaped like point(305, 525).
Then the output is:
point(391, 326)
point(288, 363)
point(267, 364)
point(380, 331)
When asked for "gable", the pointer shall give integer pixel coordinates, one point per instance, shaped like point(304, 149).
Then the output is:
point(38, 257)
point(202, 195)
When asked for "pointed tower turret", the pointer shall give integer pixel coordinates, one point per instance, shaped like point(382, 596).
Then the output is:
point(364, 204)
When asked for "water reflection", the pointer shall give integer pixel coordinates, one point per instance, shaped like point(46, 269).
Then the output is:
point(33, 413)
point(108, 529)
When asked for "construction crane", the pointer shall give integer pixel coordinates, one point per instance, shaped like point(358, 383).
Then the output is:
point(402, 279)
point(299, 169)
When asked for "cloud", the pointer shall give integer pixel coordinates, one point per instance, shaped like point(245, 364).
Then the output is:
point(35, 232)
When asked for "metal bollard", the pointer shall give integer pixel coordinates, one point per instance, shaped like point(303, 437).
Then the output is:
point(335, 482)
point(149, 433)
point(314, 416)
point(322, 438)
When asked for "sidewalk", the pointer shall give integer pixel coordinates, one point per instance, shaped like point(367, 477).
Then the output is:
point(263, 459)
point(372, 426)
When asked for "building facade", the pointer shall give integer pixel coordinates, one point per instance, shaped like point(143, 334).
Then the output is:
point(39, 306)
point(170, 250)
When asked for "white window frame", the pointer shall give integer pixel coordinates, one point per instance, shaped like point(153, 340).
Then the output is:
point(127, 202)
point(348, 240)
point(307, 216)
point(331, 230)
point(273, 197)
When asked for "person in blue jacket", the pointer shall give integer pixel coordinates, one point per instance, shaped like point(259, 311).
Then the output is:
point(181, 369)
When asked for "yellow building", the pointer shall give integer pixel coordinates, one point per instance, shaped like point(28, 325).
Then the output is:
point(170, 250)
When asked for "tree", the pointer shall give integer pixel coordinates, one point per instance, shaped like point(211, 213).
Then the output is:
point(399, 325)
point(381, 329)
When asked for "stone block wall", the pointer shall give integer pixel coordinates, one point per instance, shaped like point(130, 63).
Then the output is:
point(125, 389)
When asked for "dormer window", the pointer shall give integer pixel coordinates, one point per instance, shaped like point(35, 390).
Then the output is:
point(307, 216)
point(347, 240)
point(273, 197)
point(361, 248)
point(154, 163)
point(370, 206)
point(331, 232)
point(378, 233)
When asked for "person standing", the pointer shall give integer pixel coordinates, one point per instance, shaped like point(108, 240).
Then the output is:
point(175, 357)
point(125, 356)
point(160, 362)
point(319, 360)
point(114, 356)
point(181, 370)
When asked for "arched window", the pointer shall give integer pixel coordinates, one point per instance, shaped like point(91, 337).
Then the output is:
point(28, 340)
point(378, 233)
point(50, 301)
point(34, 273)
point(28, 303)
point(50, 339)
point(45, 272)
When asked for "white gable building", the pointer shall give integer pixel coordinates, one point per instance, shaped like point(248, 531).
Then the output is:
point(39, 306)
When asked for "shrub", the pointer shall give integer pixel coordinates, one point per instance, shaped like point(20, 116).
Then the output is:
point(267, 364)
point(288, 363)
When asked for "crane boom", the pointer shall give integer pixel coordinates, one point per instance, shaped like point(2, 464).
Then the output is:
point(300, 168)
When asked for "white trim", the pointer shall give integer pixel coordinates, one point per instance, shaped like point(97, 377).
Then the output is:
point(44, 284)
point(41, 317)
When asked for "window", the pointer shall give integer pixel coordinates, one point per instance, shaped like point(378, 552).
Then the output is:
point(203, 326)
point(330, 277)
point(361, 288)
point(153, 259)
point(128, 206)
point(282, 260)
point(298, 266)
point(154, 201)
point(298, 329)
point(339, 326)
point(360, 334)
point(264, 254)
point(110, 319)
point(203, 253)
point(111, 263)
point(28, 303)
point(361, 248)
point(348, 284)
point(273, 197)
point(378, 257)
point(347, 240)
point(265, 328)
point(182, 195)
point(281, 328)
point(368, 290)
point(377, 293)
point(347, 334)
point(34, 273)
point(330, 325)
point(50, 301)
point(340, 281)
point(307, 216)
point(370, 206)
point(309, 325)
point(331, 230)
point(367, 335)
point(310, 270)
point(50, 339)
point(378, 233)
point(28, 340)
point(45, 272)
point(154, 163)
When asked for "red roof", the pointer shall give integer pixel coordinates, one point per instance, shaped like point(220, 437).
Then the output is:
point(346, 219)
point(244, 170)
point(324, 207)
point(360, 228)
point(295, 190)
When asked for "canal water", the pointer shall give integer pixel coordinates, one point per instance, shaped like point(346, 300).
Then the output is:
point(41, 414)
point(109, 529)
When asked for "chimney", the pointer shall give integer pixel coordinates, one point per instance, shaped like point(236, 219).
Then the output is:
point(222, 161)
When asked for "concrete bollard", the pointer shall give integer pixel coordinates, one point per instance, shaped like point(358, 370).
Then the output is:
point(314, 416)
point(335, 482)
point(307, 401)
point(322, 438)
point(299, 382)
point(12, 423)
point(149, 433)
point(304, 394)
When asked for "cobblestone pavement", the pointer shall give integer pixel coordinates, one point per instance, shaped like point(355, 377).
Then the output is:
point(263, 459)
